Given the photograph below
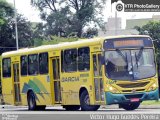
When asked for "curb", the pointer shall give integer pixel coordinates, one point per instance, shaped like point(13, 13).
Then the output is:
point(140, 107)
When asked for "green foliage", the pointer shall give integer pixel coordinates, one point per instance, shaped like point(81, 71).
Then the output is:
point(152, 28)
point(38, 31)
point(152, 102)
point(37, 42)
point(90, 33)
point(56, 24)
point(26, 33)
point(6, 12)
point(68, 16)
point(56, 40)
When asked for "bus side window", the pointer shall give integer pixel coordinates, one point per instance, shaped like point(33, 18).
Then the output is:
point(24, 66)
point(70, 60)
point(83, 59)
point(43, 63)
point(100, 64)
point(33, 64)
point(6, 65)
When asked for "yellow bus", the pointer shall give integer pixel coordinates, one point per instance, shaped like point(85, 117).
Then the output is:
point(83, 74)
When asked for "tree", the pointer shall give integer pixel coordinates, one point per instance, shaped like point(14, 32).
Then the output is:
point(38, 33)
point(6, 12)
point(25, 31)
point(25, 34)
point(7, 29)
point(67, 16)
point(57, 24)
point(90, 32)
point(6, 38)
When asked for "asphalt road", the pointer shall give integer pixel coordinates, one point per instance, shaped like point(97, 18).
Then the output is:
point(58, 113)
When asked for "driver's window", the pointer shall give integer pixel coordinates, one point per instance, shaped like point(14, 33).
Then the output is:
point(95, 65)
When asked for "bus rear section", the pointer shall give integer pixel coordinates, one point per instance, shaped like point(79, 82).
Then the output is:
point(130, 71)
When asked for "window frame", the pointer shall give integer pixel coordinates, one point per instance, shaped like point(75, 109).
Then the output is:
point(29, 65)
point(64, 70)
point(10, 74)
point(39, 63)
point(78, 59)
point(21, 64)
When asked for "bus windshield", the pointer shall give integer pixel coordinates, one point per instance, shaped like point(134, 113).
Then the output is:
point(130, 64)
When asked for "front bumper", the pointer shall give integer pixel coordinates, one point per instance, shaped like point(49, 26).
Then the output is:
point(126, 98)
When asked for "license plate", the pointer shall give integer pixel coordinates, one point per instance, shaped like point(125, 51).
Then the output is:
point(135, 100)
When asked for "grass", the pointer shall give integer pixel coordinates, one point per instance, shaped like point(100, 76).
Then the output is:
point(152, 102)
point(56, 40)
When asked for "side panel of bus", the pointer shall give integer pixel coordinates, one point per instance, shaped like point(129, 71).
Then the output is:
point(39, 83)
point(72, 81)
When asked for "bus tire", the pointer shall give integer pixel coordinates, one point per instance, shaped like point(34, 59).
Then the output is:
point(31, 101)
point(84, 102)
point(41, 107)
point(130, 106)
point(71, 107)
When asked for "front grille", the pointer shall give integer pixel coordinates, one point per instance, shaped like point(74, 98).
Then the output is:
point(134, 96)
point(133, 85)
point(137, 90)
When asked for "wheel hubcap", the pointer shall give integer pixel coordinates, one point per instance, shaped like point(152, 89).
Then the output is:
point(31, 102)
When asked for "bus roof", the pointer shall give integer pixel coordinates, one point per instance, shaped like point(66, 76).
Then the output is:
point(65, 45)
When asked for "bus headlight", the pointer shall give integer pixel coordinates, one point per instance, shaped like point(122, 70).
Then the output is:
point(153, 87)
point(112, 89)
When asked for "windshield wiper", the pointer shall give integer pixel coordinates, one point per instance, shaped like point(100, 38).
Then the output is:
point(138, 56)
point(136, 59)
point(121, 54)
point(123, 57)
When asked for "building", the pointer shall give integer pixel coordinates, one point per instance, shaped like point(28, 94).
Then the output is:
point(118, 32)
point(114, 24)
point(131, 23)
point(114, 27)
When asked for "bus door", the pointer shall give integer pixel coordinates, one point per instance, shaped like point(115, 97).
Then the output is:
point(17, 96)
point(56, 79)
point(98, 81)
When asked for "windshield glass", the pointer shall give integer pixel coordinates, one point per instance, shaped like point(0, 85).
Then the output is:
point(130, 64)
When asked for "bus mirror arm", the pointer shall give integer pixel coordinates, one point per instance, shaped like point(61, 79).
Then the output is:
point(102, 60)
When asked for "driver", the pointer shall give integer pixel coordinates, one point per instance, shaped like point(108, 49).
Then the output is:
point(110, 66)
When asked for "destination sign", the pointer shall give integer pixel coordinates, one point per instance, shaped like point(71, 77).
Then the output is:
point(125, 43)
point(129, 42)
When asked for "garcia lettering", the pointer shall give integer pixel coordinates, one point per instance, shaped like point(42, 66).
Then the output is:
point(70, 79)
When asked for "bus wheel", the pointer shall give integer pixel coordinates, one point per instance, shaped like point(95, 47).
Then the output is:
point(41, 107)
point(31, 101)
point(130, 106)
point(71, 107)
point(84, 101)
